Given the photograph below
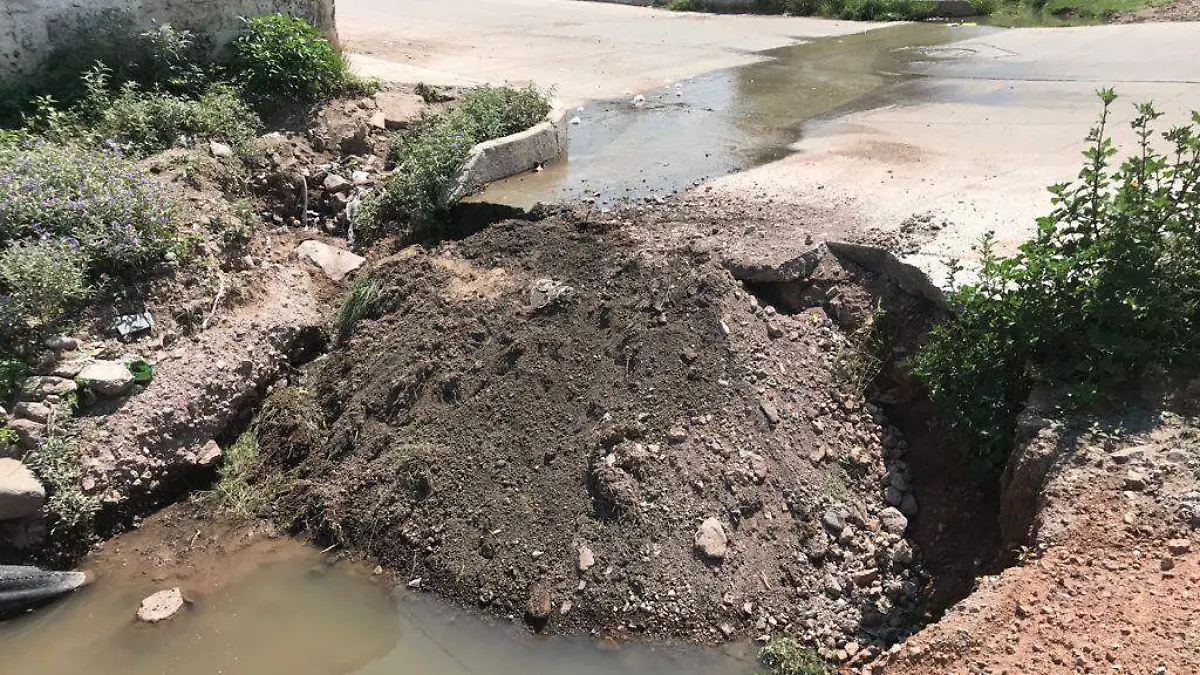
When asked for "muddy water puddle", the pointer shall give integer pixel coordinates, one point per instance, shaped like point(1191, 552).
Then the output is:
point(281, 609)
point(726, 121)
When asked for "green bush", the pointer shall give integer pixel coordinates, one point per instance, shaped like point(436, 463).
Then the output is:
point(285, 57)
point(785, 656)
point(143, 123)
point(1106, 291)
point(428, 155)
point(119, 218)
point(44, 278)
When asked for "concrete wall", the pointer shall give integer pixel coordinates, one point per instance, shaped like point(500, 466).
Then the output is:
point(32, 30)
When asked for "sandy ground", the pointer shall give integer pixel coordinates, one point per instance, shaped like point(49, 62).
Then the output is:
point(976, 141)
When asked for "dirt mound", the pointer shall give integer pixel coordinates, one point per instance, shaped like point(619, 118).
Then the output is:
point(543, 418)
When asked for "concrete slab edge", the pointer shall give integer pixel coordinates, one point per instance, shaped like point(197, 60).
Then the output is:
point(508, 156)
point(912, 279)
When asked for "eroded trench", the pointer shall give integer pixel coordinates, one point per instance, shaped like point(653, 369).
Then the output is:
point(956, 524)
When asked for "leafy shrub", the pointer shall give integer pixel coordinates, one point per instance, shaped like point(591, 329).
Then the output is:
point(285, 57)
point(44, 278)
point(785, 656)
point(1107, 289)
point(143, 123)
point(58, 465)
point(431, 94)
point(429, 154)
point(118, 216)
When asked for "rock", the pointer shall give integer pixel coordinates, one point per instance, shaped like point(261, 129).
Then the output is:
point(219, 149)
point(21, 495)
point(30, 410)
point(1179, 546)
point(106, 378)
point(210, 454)
point(587, 559)
point(62, 343)
point(335, 262)
point(547, 292)
point(908, 506)
point(866, 577)
point(893, 496)
point(711, 540)
point(770, 411)
point(399, 108)
point(41, 386)
point(677, 435)
point(69, 368)
point(902, 553)
point(1128, 455)
point(834, 521)
point(335, 183)
point(816, 547)
point(360, 177)
point(892, 521)
point(30, 434)
point(539, 607)
point(1135, 481)
point(161, 606)
point(25, 533)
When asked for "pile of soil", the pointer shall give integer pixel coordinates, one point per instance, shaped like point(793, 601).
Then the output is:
point(546, 420)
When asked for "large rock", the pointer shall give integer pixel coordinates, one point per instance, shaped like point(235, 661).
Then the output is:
point(21, 495)
point(711, 540)
point(106, 378)
point(161, 606)
point(892, 521)
point(41, 386)
point(30, 434)
point(335, 262)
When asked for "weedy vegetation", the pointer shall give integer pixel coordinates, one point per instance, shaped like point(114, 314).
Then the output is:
point(785, 656)
point(428, 155)
point(1106, 293)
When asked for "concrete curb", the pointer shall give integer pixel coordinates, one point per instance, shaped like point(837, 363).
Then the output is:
point(503, 157)
point(912, 279)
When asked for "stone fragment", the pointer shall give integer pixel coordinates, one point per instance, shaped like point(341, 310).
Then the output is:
point(21, 494)
point(893, 521)
point(161, 606)
point(711, 540)
point(336, 263)
point(106, 378)
point(587, 559)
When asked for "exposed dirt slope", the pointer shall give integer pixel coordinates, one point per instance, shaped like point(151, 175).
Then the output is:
point(1117, 587)
point(556, 458)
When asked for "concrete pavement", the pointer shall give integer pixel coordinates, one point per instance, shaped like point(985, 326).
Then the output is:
point(974, 139)
point(584, 50)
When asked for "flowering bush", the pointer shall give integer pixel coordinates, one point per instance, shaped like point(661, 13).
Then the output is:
point(95, 200)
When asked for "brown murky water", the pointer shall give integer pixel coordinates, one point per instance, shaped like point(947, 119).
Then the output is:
point(712, 125)
point(281, 609)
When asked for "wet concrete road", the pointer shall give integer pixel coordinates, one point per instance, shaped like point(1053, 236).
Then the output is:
point(584, 50)
point(972, 134)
